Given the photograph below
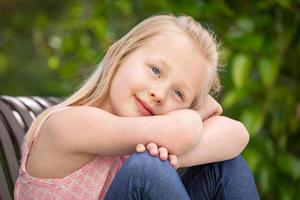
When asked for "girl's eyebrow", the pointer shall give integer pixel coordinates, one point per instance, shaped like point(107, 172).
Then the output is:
point(163, 62)
point(168, 67)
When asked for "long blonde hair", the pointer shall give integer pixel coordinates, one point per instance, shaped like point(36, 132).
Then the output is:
point(96, 87)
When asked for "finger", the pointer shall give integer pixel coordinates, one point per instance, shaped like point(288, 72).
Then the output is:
point(173, 160)
point(140, 148)
point(219, 109)
point(163, 153)
point(153, 149)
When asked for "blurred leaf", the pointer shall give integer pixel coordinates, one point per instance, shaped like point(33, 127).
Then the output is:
point(253, 158)
point(98, 26)
point(231, 98)
point(268, 71)
point(264, 178)
point(253, 42)
point(290, 165)
point(253, 119)
point(3, 64)
point(284, 3)
point(124, 6)
point(53, 62)
point(241, 69)
point(68, 44)
point(41, 21)
point(286, 192)
point(76, 10)
point(245, 24)
point(266, 147)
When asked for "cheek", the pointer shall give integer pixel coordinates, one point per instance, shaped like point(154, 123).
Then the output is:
point(123, 86)
point(140, 80)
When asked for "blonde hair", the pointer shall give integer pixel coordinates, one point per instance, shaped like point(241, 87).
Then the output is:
point(96, 87)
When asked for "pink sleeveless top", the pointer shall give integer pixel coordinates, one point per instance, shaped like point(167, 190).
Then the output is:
point(89, 182)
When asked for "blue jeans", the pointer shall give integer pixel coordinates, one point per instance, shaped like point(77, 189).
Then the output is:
point(146, 177)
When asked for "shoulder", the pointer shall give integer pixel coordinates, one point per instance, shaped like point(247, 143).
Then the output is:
point(70, 127)
point(73, 114)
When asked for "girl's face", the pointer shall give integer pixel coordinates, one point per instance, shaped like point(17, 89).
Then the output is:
point(163, 75)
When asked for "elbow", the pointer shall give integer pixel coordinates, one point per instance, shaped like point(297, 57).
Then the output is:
point(242, 138)
point(188, 136)
point(244, 135)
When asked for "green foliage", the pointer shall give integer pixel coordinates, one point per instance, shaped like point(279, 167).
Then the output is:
point(54, 45)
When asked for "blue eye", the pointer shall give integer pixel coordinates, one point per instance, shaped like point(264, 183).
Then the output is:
point(156, 70)
point(179, 94)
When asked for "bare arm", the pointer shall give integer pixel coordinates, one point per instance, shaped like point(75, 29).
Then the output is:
point(223, 138)
point(85, 129)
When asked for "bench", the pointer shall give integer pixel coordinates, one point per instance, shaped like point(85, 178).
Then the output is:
point(16, 116)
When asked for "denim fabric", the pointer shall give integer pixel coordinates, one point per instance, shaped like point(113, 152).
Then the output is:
point(231, 179)
point(146, 177)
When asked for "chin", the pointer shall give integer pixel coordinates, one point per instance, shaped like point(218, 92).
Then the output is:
point(129, 113)
point(124, 113)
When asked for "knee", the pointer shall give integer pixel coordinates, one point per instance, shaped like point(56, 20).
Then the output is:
point(237, 166)
point(236, 163)
point(141, 163)
point(145, 160)
point(238, 180)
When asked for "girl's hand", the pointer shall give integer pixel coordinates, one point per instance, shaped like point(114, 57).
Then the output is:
point(162, 152)
point(210, 108)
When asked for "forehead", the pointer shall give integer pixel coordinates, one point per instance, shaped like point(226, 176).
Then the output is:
point(177, 52)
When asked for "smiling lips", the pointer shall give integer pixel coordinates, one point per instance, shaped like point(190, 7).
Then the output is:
point(143, 107)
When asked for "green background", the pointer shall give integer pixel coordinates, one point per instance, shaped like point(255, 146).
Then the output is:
point(47, 48)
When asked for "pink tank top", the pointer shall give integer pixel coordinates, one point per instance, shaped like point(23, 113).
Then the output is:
point(89, 182)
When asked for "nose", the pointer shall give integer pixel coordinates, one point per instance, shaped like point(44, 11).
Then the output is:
point(157, 95)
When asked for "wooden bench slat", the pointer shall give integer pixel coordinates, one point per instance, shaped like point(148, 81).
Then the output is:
point(4, 190)
point(43, 101)
point(12, 122)
point(54, 100)
point(22, 110)
point(9, 153)
point(16, 116)
point(32, 105)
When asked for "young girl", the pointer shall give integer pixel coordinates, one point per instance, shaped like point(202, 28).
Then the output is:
point(150, 91)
